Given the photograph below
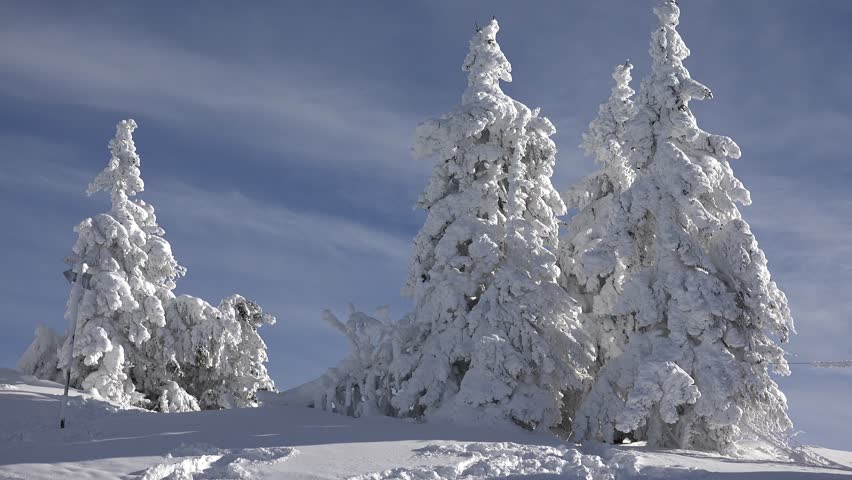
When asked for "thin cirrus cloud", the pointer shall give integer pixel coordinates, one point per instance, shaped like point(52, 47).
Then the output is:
point(233, 211)
point(193, 208)
point(280, 107)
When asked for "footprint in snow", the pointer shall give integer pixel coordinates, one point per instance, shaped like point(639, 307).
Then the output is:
point(207, 463)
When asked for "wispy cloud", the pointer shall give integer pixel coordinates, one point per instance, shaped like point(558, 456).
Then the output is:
point(323, 235)
point(282, 107)
point(807, 235)
point(34, 163)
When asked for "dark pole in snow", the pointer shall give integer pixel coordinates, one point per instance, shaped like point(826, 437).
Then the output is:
point(79, 280)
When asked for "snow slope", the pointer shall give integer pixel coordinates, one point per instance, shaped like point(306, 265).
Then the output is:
point(278, 441)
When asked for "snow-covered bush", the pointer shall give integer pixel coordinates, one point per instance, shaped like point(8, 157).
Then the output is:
point(686, 295)
point(492, 332)
point(135, 343)
point(215, 354)
point(40, 359)
point(361, 384)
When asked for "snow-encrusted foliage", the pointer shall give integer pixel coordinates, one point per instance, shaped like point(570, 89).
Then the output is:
point(492, 331)
point(362, 384)
point(690, 289)
point(215, 354)
point(135, 342)
point(604, 140)
point(40, 359)
point(585, 257)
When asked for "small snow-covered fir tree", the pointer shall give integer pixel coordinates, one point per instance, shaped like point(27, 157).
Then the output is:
point(587, 260)
point(690, 287)
point(135, 342)
point(492, 332)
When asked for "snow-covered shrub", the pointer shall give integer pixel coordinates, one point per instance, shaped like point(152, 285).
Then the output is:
point(362, 383)
point(135, 343)
point(215, 354)
point(685, 291)
point(492, 331)
point(40, 359)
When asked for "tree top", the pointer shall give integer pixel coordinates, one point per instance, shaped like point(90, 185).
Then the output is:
point(121, 177)
point(485, 63)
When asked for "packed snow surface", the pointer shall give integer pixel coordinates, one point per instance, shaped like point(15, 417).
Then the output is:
point(279, 441)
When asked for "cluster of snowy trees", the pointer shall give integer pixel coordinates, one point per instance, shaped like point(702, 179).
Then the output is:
point(650, 316)
point(134, 341)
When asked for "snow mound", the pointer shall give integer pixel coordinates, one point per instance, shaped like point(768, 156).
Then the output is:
point(500, 460)
point(208, 462)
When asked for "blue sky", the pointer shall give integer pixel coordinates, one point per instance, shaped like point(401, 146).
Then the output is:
point(276, 146)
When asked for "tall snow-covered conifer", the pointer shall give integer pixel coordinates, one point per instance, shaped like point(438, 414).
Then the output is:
point(691, 289)
point(492, 331)
point(133, 275)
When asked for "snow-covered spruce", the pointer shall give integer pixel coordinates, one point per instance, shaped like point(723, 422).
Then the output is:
point(134, 342)
point(690, 287)
point(492, 332)
point(133, 274)
point(586, 259)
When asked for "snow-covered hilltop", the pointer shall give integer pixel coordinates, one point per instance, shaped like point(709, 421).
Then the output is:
point(294, 443)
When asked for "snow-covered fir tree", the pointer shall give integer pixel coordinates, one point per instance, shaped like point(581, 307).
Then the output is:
point(586, 259)
point(492, 331)
point(135, 342)
point(691, 291)
point(133, 274)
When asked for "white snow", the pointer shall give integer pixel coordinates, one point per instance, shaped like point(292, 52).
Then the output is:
point(277, 441)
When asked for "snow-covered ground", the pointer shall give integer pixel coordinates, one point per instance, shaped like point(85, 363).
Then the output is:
point(284, 442)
